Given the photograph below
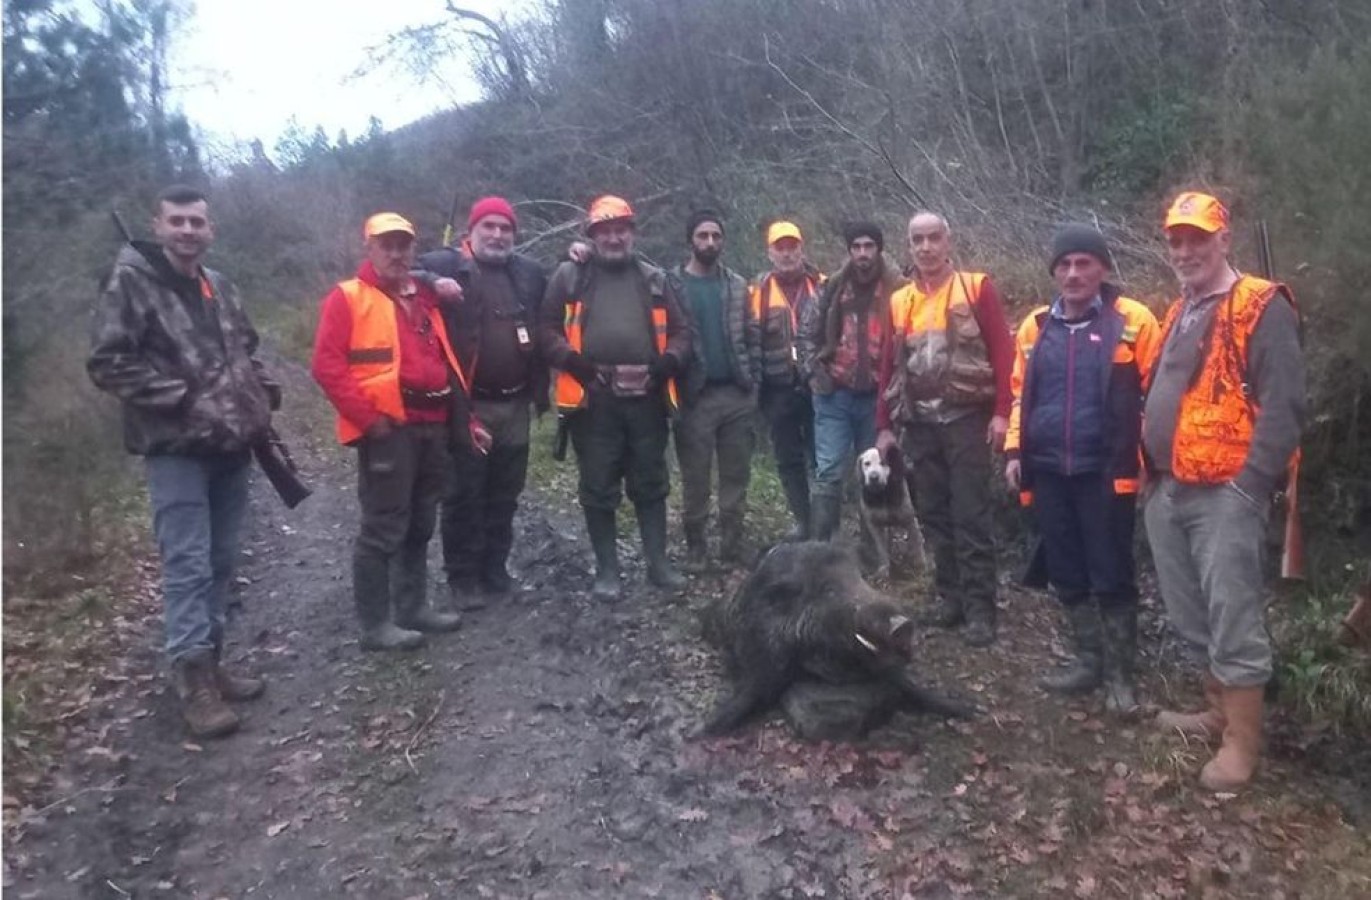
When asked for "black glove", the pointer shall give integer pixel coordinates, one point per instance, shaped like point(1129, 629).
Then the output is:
point(665, 366)
point(582, 369)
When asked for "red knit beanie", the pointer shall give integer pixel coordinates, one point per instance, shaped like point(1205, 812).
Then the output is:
point(491, 206)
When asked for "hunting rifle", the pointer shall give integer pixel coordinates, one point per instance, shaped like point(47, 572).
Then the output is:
point(1292, 547)
point(271, 452)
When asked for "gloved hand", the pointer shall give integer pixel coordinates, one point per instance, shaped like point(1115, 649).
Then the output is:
point(664, 367)
point(582, 369)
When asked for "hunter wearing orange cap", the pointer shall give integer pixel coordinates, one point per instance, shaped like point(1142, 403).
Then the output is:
point(383, 358)
point(613, 328)
point(780, 300)
point(1222, 419)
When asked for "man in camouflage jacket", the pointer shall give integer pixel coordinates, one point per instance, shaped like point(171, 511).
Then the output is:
point(170, 339)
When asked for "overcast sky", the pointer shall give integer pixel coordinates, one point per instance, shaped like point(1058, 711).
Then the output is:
point(242, 68)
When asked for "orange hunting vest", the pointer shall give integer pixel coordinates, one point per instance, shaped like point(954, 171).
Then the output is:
point(775, 299)
point(374, 352)
point(1217, 414)
point(570, 394)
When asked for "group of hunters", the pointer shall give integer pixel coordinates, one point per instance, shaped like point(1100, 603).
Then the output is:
point(436, 363)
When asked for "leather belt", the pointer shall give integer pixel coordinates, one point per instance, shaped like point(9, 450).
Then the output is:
point(416, 399)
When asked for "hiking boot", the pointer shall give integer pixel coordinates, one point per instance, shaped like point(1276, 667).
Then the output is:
point(945, 613)
point(603, 540)
point(1120, 652)
point(732, 546)
point(201, 704)
point(387, 636)
point(1082, 674)
point(697, 550)
point(467, 595)
point(1233, 766)
point(980, 623)
point(1208, 724)
point(428, 620)
point(235, 688)
point(652, 529)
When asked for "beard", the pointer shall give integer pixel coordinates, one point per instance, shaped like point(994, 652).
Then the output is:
point(492, 256)
point(706, 257)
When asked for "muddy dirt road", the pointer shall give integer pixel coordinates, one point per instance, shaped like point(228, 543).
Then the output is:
point(541, 753)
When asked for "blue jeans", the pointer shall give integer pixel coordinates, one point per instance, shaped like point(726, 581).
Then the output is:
point(197, 514)
point(844, 426)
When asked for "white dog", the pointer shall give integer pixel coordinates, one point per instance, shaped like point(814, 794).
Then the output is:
point(886, 507)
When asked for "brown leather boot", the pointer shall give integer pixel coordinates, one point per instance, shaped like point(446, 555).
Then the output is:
point(201, 705)
point(235, 688)
point(1208, 724)
point(1232, 767)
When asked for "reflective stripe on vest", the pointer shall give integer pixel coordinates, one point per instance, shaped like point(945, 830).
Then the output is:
point(1218, 413)
point(570, 394)
point(374, 352)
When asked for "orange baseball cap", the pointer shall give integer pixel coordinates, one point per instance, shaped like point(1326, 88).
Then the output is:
point(385, 223)
point(608, 208)
point(780, 230)
point(1198, 210)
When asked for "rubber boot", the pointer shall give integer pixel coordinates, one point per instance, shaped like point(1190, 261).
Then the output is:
point(410, 591)
point(980, 622)
point(825, 511)
point(604, 541)
point(946, 612)
point(235, 688)
point(1233, 766)
point(732, 544)
point(697, 549)
point(1120, 652)
point(797, 499)
point(652, 529)
point(371, 593)
point(202, 706)
point(495, 577)
point(1082, 674)
point(1208, 724)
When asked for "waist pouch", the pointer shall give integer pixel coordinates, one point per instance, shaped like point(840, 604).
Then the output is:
point(629, 380)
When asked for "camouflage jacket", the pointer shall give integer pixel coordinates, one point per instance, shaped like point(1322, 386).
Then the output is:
point(183, 367)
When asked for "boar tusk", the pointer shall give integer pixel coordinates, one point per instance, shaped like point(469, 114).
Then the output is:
point(865, 643)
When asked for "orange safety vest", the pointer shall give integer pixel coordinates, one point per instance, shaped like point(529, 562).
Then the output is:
point(1218, 413)
point(775, 299)
point(570, 394)
point(374, 352)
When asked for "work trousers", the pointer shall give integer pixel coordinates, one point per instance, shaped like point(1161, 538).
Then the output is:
point(1087, 534)
point(949, 466)
point(400, 478)
point(718, 422)
point(198, 504)
point(1208, 543)
point(790, 416)
point(620, 443)
point(483, 494)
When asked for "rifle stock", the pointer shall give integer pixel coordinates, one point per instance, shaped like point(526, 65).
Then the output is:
point(1292, 546)
point(274, 458)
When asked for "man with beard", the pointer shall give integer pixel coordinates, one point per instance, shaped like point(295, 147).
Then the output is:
point(840, 349)
point(384, 361)
point(780, 302)
point(170, 339)
point(719, 392)
point(493, 331)
point(614, 329)
point(945, 387)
